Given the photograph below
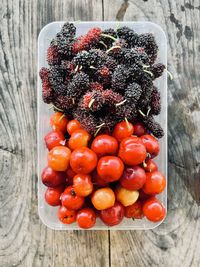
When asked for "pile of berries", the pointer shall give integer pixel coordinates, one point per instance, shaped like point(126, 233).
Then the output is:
point(109, 176)
point(104, 77)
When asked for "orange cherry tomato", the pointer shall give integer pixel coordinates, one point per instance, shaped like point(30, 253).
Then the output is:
point(58, 158)
point(59, 122)
point(154, 210)
point(103, 198)
point(104, 145)
point(79, 138)
point(151, 144)
point(54, 138)
point(110, 168)
point(82, 184)
point(66, 215)
point(72, 126)
point(139, 129)
point(155, 183)
point(86, 218)
point(132, 151)
point(134, 210)
point(52, 195)
point(126, 197)
point(150, 166)
point(122, 130)
point(70, 200)
point(83, 160)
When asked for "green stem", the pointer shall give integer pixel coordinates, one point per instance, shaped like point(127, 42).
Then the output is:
point(109, 36)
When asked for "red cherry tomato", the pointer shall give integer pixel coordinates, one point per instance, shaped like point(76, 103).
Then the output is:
point(83, 160)
point(134, 210)
point(70, 200)
point(58, 158)
point(72, 126)
point(154, 210)
point(104, 145)
point(133, 178)
point(155, 183)
point(52, 195)
point(122, 130)
point(110, 168)
point(52, 178)
point(132, 151)
point(86, 218)
point(103, 198)
point(151, 144)
point(97, 180)
point(82, 185)
point(139, 129)
point(70, 175)
point(150, 166)
point(112, 216)
point(66, 216)
point(58, 122)
point(79, 138)
point(54, 138)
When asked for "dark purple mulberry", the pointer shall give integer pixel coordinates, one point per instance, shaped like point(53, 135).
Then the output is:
point(148, 42)
point(157, 70)
point(129, 35)
point(153, 126)
point(155, 103)
point(78, 85)
point(133, 93)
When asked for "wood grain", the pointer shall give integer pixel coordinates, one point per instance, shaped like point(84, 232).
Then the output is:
point(24, 240)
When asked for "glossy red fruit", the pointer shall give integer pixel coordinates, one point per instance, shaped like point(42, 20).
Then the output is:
point(132, 151)
point(53, 178)
point(151, 144)
point(134, 211)
point(122, 130)
point(72, 126)
point(110, 168)
point(83, 185)
point(83, 160)
point(104, 145)
point(98, 181)
point(86, 218)
point(150, 166)
point(65, 215)
point(112, 216)
point(154, 210)
point(58, 158)
point(139, 129)
point(78, 139)
point(54, 138)
point(133, 178)
point(58, 122)
point(70, 200)
point(155, 183)
point(52, 195)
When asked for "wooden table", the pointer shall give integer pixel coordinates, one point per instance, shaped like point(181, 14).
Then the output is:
point(25, 241)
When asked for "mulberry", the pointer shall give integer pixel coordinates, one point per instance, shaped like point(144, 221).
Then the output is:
point(64, 102)
point(155, 103)
point(53, 57)
point(87, 120)
point(147, 41)
point(119, 78)
point(129, 35)
point(92, 101)
point(153, 126)
point(133, 93)
point(78, 85)
point(157, 70)
point(68, 29)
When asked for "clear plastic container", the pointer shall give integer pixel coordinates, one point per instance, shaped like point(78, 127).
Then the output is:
point(47, 213)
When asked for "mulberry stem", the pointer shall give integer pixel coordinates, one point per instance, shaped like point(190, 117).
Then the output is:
point(61, 117)
point(101, 42)
point(109, 36)
point(91, 102)
point(120, 103)
point(140, 111)
point(113, 47)
point(127, 123)
point(149, 72)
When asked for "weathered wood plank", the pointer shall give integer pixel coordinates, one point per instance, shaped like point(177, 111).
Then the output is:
point(25, 241)
point(176, 242)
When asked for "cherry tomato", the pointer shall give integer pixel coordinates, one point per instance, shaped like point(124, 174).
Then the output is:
point(97, 180)
point(52, 195)
point(154, 210)
point(132, 151)
point(155, 183)
point(54, 138)
point(110, 168)
point(79, 138)
point(112, 216)
point(86, 218)
point(72, 126)
point(83, 160)
point(133, 178)
point(58, 158)
point(66, 216)
point(126, 197)
point(58, 122)
point(70, 175)
point(103, 198)
point(139, 129)
point(52, 178)
point(104, 145)
point(122, 130)
point(70, 200)
point(151, 144)
point(150, 166)
point(82, 185)
point(134, 210)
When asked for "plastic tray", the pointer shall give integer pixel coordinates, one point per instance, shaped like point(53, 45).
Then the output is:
point(47, 213)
